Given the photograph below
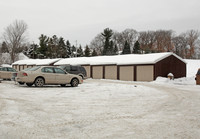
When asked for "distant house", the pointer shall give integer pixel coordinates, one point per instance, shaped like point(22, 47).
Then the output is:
point(131, 67)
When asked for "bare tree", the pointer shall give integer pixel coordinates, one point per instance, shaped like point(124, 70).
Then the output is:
point(14, 36)
point(128, 35)
point(192, 39)
point(147, 41)
point(164, 40)
point(180, 45)
point(97, 43)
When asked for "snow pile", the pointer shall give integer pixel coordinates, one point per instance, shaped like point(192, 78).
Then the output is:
point(179, 81)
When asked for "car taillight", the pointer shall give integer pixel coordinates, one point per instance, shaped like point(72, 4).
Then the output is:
point(25, 74)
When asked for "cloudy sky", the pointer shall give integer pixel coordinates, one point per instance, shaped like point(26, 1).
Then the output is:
point(82, 20)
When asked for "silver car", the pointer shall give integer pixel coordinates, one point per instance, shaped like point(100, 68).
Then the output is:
point(41, 75)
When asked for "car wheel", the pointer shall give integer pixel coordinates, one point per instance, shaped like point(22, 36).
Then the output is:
point(39, 82)
point(63, 85)
point(21, 83)
point(74, 82)
point(29, 84)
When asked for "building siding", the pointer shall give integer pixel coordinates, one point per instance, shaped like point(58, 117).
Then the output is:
point(172, 65)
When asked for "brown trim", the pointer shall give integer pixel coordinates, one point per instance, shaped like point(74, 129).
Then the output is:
point(104, 72)
point(135, 73)
point(105, 65)
point(91, 71)
point(85, 65)
point(136, 65)
point(118, 72)
point(154, 72)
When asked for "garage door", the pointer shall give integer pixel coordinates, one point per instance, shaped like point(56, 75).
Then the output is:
point(126, 73)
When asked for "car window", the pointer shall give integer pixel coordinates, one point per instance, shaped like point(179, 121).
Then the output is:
point(82, 69)
point(65, 67)
point(1, 69)
point(74, 68)
point(198, 72)
point(11, 69)
point(48, 70)
point(4, 69)
point(59, 71)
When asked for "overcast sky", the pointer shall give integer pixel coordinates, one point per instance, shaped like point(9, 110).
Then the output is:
point(82, 20)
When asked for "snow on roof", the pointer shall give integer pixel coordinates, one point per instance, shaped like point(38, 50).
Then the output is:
point(118, 59)
point(35, 62)
point(128, 59)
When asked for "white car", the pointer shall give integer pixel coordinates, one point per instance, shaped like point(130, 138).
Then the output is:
point(41, 75)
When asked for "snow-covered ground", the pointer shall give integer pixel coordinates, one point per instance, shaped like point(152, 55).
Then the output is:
point(100, 109)
point(103, 109)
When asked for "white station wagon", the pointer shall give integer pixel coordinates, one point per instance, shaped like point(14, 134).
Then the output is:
point(42, 75)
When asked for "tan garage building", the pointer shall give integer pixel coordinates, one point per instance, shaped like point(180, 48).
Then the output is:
point(131, 67)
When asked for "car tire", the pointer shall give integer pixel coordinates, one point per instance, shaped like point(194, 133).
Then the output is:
point(39, 82)
point(74, 82)
point(29, 84)
point(63, 85)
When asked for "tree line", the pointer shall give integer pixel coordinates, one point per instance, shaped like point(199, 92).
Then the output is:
point(185, 45)
point(107, 42)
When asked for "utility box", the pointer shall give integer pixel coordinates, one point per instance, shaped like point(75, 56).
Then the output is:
point(170, 76)
point(198, 77)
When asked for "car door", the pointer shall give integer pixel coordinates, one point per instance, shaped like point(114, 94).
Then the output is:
point(10, 72)
point(61, 76)
point(74, 70)
point(4, 73)
point(49, 75)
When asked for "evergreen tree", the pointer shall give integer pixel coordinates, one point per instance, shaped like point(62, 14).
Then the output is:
point(115, 50)
point(43, 45)
point(136, 49)
point(94, 53)
point(68, 49)
point(87, 51)
point(74, 53)
point(79, 51)
point(32, 51)
point(62, 50)
point(4, 48)
point(107, 44)
point(126, 49)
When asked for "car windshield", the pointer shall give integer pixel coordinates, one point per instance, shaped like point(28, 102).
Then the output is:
point(32, 69)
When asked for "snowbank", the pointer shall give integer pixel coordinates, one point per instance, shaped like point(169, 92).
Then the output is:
point(179, 81)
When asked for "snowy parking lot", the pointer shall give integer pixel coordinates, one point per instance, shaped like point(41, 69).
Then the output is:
point(100, 109)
